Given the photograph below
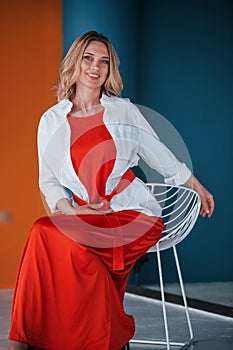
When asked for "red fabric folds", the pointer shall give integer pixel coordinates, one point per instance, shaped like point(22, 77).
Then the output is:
point(68, 296)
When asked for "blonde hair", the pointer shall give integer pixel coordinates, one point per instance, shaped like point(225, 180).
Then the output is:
point(70, 67)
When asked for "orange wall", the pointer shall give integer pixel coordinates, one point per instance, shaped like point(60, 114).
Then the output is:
point(31, 51)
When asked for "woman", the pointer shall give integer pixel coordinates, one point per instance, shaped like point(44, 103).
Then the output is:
point(75, 265)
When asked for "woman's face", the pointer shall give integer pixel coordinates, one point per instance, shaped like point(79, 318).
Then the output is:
point(94, 66)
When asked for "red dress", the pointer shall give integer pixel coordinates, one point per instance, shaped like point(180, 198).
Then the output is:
point(74, 269)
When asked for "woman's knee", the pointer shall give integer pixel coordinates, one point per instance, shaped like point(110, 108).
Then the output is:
point(41, 225)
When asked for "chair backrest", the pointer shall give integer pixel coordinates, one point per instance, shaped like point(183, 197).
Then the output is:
point(180, 209)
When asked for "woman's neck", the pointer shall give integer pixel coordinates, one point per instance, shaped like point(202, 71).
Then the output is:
point(86, 103)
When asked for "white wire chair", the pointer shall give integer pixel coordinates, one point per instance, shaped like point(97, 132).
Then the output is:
point(180, 209)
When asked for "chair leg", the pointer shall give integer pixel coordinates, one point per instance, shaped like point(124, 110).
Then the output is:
point(163, 297)
point(183, 292)
point(167, 342)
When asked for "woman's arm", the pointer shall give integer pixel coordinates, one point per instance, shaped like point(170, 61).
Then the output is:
point(207, 200)
point(50, 187)
point(160, 158)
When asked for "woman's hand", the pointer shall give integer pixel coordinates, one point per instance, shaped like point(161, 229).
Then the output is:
point(66, 208)
point(91, 209)
point(207, 200)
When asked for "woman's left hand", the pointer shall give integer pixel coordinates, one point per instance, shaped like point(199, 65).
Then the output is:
point(102, 207)
point(207, 199)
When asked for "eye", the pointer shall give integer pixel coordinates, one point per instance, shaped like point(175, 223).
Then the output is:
point(87, 57)
point(105, 61)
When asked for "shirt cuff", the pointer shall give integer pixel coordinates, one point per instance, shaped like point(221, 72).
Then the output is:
point(181, 177)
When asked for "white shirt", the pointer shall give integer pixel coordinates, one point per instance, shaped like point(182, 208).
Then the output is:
point(134, 139)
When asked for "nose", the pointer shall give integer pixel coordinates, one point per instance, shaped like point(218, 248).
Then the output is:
point(95, 65)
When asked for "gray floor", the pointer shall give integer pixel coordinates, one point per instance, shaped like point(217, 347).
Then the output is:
point(211, 331)
point(215, 292)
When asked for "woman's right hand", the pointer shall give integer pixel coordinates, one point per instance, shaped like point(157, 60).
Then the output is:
point(66, 208)
point(94, 209)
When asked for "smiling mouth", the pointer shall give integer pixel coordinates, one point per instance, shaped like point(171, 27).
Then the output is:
point(92, 75)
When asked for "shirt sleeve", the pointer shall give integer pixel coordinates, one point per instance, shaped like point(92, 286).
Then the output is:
point(48, 183)
point(156, 154)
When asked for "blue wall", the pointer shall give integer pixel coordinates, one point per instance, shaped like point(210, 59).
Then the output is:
point(177, 58)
